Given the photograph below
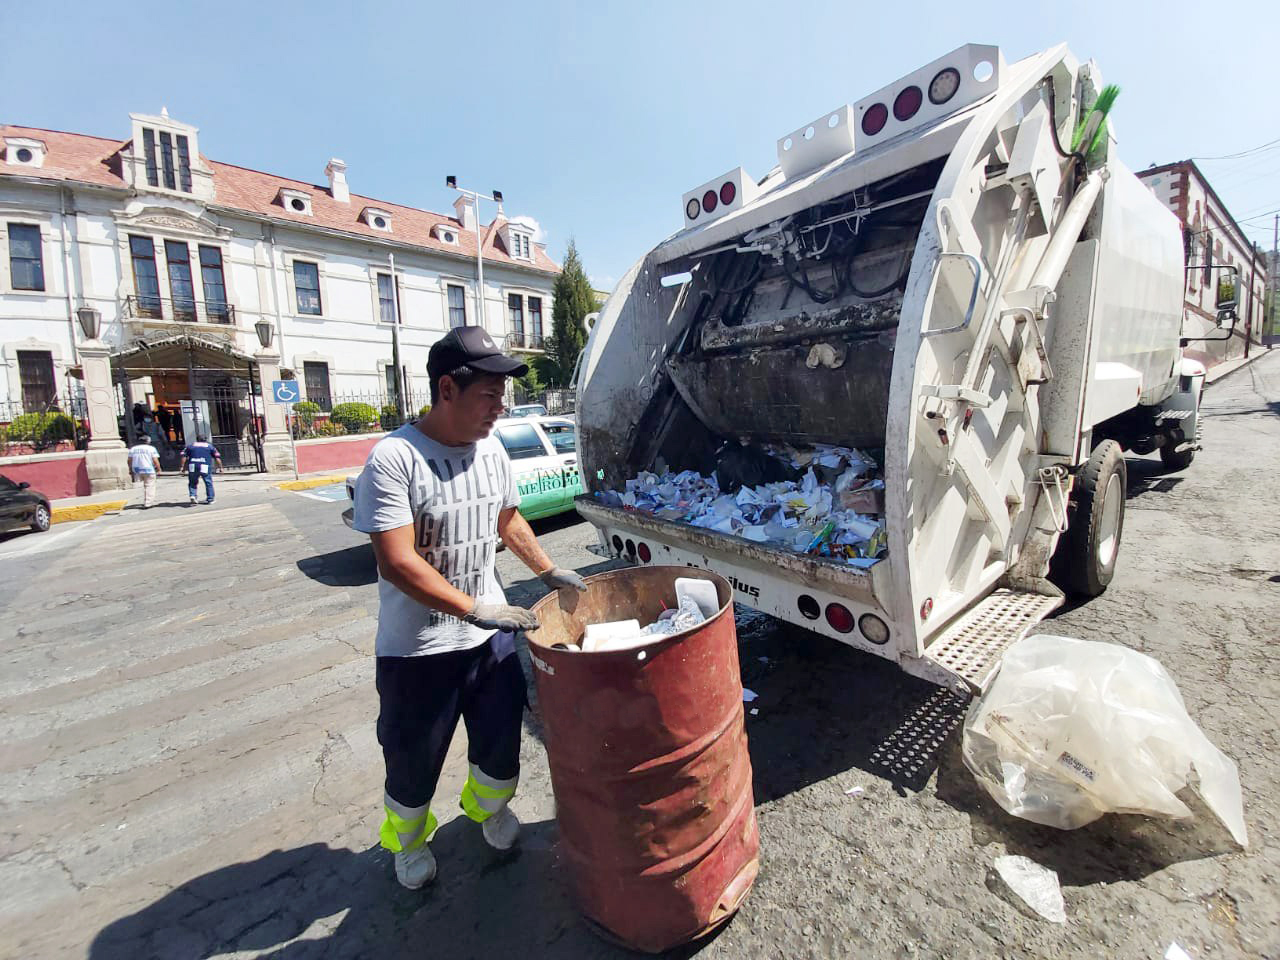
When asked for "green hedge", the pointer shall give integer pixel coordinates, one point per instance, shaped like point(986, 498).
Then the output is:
point(389, 419)
point(354, 417)
point(41, 428)
point(305, 411)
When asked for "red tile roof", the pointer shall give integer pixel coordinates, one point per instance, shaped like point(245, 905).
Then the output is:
point(78, 158)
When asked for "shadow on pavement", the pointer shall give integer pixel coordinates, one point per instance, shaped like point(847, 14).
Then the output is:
point(1115, 847)
point(827, 709)
point(318, 901)
point(351, 567)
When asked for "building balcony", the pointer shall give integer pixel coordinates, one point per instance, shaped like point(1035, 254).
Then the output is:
point(152, 311)
point(526, 341)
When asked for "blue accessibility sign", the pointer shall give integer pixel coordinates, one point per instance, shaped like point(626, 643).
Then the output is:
point(285, 391)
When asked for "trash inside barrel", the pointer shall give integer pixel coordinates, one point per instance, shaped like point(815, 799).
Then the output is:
point(648, 756)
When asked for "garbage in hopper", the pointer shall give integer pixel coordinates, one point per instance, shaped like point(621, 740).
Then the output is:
point(830, 505)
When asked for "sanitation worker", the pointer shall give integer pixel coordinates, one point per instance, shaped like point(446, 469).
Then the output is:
point(434, 497)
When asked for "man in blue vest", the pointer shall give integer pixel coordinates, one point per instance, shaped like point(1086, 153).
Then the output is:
point(199, 460)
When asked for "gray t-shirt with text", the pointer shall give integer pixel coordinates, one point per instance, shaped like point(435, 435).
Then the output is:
point(452, 497)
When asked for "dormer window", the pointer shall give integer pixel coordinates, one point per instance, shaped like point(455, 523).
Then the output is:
point(162, 155)
point(24, 152)
point(446, 234)
point(519, 243)
point(168, 159)
point(378, 219)
point(295, 201)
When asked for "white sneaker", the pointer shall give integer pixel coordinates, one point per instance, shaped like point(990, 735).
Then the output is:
point(193, 500)
point(416, 868)
point(501, 830)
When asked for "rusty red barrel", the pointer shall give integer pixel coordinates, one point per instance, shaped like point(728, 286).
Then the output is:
point(649, 763)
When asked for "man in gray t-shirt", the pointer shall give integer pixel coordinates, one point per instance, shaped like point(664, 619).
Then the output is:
point(434, 497)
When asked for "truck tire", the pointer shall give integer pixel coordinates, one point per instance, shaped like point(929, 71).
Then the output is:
point(1175, 460)
point(1093, 538)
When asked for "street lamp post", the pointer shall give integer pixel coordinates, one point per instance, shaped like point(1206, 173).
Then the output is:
point(452, 184)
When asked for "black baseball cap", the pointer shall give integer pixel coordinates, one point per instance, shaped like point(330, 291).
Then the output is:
point(472, 347)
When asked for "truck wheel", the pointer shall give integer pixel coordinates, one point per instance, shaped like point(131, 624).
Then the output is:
point(1093, 539)
point(1175, 460)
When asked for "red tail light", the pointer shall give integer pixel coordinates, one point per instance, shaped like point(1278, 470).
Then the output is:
point(840, 618)
point(907, 103)
point(874, 119)
point(643, 550)
point(728, 192)
point(709, 201)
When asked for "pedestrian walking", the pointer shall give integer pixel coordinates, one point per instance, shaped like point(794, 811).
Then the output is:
point(199, 460)
point(435, 496)
point(144, 465)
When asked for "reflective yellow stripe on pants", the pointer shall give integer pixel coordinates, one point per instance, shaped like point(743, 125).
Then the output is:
point(483, 796)
point(400, 833)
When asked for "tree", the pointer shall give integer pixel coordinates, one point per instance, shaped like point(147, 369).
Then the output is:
point(574, 299)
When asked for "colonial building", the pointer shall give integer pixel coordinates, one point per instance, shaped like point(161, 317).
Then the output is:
point(185, 258)
point(1211, 237)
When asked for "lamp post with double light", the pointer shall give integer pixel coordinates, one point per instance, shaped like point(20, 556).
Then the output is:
point(452, 184)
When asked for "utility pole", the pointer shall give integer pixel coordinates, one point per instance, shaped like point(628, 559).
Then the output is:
point(395, 339)
point(452, 184)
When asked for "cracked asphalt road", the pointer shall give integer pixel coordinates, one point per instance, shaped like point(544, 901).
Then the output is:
point(189, 767)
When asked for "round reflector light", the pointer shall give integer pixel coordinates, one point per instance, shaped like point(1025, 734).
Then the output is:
point(643, 550)
point(874, 629)
point(728, 192)
point(907, 103)
point(944, 86)
point(709, 201)
point(617, 543)
point(874, 119)
point(840, 618)
point(692, 208)
point(631, 548)
point(809, 608)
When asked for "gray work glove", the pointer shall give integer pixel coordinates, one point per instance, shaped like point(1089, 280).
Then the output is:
point(558, 578)
point(501, 616)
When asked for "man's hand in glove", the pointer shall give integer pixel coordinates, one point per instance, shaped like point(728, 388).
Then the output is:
point(501, 616)
point(558, 578)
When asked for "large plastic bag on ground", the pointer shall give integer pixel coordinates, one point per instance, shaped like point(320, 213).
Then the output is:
point(1072, 729)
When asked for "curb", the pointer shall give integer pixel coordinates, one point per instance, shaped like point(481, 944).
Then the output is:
point(86, 511)
point(312, 482)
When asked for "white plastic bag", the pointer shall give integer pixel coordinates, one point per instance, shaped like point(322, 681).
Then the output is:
point(1073, 729)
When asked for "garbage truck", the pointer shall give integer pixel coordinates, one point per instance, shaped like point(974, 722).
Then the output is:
point(956, 274)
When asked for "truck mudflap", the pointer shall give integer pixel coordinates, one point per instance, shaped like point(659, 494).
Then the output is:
point(965, 656)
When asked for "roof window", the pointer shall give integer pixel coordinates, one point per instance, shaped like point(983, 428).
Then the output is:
point(295, 201)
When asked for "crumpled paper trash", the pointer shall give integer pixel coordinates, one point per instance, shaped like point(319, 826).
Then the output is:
point(811, 515)
point(1073, 729)
point(1036, 886)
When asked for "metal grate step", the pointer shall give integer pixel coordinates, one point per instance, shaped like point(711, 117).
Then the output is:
point(971, 647)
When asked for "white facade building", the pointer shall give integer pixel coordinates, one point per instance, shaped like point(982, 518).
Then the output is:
point(1211, 239)
point(166, 243)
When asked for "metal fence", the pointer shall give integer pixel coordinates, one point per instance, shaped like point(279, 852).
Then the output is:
point(343, 414)
point(44, 426)
point(557, 401)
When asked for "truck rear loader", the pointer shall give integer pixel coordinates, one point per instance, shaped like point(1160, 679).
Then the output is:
point(956, 273)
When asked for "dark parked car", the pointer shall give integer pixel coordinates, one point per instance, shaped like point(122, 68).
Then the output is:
point(20, 507)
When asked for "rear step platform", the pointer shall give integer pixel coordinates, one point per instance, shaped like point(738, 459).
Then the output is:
point(969, 650)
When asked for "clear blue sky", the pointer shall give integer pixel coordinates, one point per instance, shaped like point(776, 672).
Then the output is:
point(594, 118)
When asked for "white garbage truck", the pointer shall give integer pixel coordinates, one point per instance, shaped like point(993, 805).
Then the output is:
point(955, 273)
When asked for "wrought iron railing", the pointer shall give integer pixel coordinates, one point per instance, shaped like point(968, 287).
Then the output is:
point(526, 341)
point(179, 311)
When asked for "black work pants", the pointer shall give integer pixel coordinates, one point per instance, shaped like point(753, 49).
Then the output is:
point(420, 701)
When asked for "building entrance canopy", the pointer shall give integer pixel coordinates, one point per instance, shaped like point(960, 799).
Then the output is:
point(196, 383)
point(179, 352)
